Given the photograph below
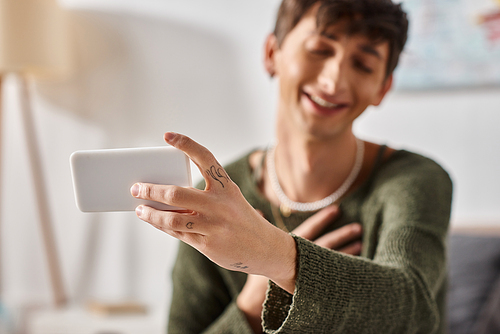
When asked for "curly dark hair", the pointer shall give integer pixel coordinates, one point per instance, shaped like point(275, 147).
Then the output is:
point(379, 20)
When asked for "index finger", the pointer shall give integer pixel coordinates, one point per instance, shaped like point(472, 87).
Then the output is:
point(190, 198)
point(341, 237)
point(211, 170)
point(312, 227)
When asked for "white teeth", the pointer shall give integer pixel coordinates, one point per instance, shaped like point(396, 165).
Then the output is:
point(322, 102)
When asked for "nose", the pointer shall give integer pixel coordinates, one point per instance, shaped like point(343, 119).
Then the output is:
point(332, 79)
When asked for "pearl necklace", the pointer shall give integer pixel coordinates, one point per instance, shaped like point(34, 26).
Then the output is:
point(287, 205)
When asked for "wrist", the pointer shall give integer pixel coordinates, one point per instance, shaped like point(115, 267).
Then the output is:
point(284, 272)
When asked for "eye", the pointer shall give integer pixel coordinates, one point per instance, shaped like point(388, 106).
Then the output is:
point(361, 66)
point(321, 52)
point(317, 47)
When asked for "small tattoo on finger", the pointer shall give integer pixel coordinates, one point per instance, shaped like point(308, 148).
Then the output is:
point(190, 225)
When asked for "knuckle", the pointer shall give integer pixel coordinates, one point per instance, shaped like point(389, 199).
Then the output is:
point(147, 214)
point(207, 155)
point(146, 191)
point(182, 141)
point(198, 241)
point(204, 244)
point(175, 234)
point(172, 195)
point(173, 222)
point(233, 188)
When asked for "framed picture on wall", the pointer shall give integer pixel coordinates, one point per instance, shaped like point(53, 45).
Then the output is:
point(451, 44)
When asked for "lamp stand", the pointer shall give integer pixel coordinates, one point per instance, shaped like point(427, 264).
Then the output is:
point(41, 196)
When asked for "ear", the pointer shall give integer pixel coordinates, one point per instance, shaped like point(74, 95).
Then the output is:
point(386, 86)
point(270, 48)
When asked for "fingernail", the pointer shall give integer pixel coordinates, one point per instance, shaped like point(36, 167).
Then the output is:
point(169, 136)
point(135, 190)
point(356, 228)
point(138, 211)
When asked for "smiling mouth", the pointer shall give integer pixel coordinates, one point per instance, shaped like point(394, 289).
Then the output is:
point(324, 103)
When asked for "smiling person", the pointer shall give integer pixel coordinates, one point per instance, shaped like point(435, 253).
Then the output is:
point(322, 232)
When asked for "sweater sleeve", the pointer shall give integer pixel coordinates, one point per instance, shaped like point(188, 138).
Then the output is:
point(201, 302)
point(396, 291)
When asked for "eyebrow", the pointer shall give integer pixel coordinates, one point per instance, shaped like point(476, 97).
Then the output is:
point(370, 50)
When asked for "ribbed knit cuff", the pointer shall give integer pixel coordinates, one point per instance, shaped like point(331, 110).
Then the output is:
point(284, 313)
point(276, 307)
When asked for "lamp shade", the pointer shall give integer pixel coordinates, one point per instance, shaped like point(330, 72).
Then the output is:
point(33, 37)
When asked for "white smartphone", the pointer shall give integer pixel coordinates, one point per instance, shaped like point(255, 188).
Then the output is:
point(102, 178)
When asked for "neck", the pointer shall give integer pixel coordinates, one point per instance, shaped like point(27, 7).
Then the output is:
point(310, 169)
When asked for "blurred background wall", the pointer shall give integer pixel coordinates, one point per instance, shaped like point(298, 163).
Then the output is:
point(142, 67)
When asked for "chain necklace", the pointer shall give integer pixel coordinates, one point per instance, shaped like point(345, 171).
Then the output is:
point(287, 205)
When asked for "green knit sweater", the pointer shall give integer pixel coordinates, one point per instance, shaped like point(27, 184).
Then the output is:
point(397, 285)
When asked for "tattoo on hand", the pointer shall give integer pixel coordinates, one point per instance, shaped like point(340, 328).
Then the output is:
point(190, 225)
point(239, 265)
point(217, 173)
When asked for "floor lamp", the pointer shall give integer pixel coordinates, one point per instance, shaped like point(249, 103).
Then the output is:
point(33, 44)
